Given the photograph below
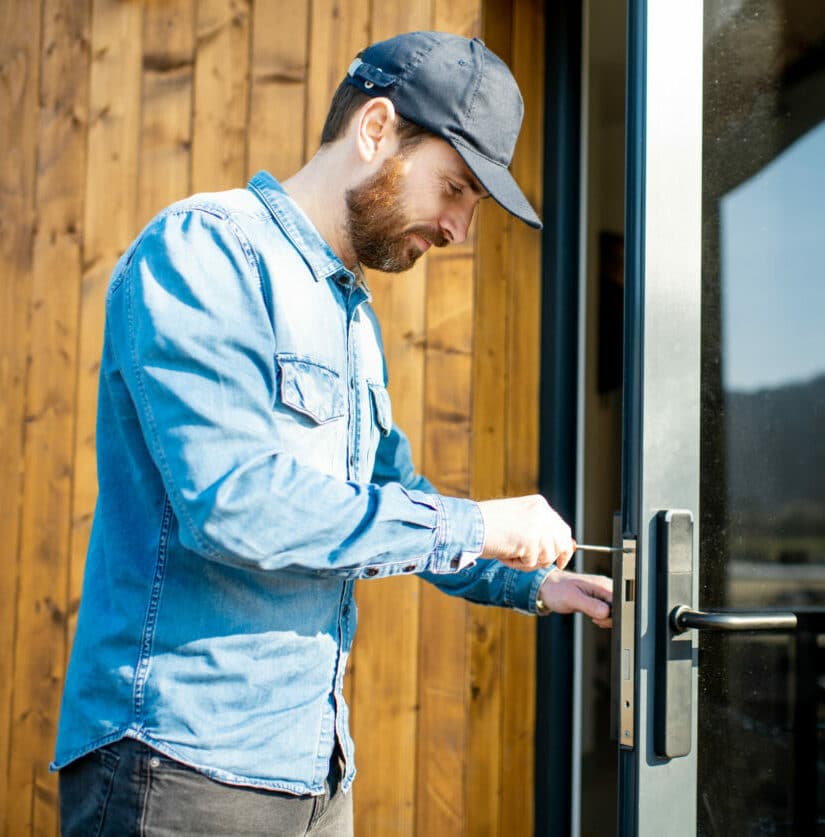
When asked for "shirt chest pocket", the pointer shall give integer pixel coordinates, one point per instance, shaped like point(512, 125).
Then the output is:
point(381, 407)
point(310, 388)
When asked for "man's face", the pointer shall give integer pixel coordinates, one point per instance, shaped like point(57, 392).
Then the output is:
point(422, 197)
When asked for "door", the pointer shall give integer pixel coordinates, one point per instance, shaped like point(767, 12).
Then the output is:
point(723, 496)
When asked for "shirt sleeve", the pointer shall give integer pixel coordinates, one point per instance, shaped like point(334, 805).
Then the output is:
point(195, 347)
point(480, 580)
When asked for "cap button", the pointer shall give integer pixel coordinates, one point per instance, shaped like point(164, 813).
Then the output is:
point(368, 84)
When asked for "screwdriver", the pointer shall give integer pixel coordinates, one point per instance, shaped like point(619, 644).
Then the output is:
point(587, 547)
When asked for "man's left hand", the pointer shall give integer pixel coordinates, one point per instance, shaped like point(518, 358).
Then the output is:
point(569, 592)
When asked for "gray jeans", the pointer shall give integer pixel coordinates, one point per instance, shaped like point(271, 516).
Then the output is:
point(128, 789)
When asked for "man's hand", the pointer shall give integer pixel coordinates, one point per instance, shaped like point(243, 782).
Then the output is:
point(525, 533)
point(568, 592)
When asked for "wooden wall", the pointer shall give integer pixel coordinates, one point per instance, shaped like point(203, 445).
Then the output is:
point(109, 109)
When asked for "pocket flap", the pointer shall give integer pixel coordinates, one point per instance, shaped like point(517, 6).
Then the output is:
point(310, 388)
point(382, 406)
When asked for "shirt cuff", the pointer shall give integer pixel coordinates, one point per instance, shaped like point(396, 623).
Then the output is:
point(526, 598)
point(460, 534)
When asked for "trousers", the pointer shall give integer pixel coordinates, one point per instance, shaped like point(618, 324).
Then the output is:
point(127, 789)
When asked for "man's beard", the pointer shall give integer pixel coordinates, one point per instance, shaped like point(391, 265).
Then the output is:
point(377, 223)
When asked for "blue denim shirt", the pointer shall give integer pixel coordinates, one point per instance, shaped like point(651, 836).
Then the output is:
point(249, 472)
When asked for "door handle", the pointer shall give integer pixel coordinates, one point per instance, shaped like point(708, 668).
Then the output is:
point(676, 655)
point(683, 618)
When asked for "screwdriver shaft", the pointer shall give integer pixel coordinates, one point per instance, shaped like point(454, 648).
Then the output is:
point(587, 547)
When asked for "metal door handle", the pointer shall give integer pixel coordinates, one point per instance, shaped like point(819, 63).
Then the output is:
point(676, 655)
point(683, 618)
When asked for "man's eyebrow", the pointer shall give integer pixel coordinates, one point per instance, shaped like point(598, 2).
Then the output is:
point(475, 187)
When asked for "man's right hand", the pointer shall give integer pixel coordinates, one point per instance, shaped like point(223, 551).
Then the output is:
point(525, 533)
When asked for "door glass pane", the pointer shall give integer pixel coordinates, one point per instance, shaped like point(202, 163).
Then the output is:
point(762, 697)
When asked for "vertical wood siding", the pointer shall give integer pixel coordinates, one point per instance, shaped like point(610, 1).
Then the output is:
point(111, 109)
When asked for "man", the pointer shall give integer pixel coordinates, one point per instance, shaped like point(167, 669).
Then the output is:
point(250, 471)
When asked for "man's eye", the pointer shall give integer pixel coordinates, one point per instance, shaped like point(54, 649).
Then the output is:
point(453, 188)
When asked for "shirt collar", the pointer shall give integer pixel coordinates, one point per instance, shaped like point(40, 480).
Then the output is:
point(306, 239)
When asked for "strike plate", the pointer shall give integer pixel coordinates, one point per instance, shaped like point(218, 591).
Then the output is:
point(623, 663)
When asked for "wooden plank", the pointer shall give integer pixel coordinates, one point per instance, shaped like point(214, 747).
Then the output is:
point(384, 706)
point(461, 17)
point(277, 120)
point(109, 225)
point(449, 344)
point(221, 95)
point(446, 690)
point(166, 114)
point(42, 589)
point(19, 82)
point(489, 463)
point(525, 302)
point(442, 731)
point(524, 339)
point(518, 723)
point(337, 34)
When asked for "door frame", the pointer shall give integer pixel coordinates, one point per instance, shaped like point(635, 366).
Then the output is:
point(661, 412)
point(556, 785)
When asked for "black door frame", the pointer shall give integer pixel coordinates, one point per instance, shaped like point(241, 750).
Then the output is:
point(559, 370)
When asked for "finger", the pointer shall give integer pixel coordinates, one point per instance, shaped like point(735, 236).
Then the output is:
point(595, 608)
point(563, 558)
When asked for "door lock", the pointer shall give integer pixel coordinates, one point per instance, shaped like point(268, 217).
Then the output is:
point(675, 653)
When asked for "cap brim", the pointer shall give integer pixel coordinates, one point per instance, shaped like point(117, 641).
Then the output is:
point(498, 181)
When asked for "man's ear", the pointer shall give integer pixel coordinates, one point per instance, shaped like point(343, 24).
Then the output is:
point(375, 128)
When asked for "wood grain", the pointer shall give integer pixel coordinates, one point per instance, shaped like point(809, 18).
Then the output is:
point(221, 95)
point(523, 376)
point(446, 690)
point(338, 31)
point(278, 100)
point(19, 91)
point(166, 113)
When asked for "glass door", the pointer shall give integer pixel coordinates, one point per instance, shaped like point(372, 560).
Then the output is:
point(724, 416)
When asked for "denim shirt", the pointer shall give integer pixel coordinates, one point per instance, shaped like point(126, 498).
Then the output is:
point(249, 472)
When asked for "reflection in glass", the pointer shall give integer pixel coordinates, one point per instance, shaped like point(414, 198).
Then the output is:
point(761, 757)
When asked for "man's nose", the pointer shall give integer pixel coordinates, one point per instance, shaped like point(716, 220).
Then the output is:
point(456, 222)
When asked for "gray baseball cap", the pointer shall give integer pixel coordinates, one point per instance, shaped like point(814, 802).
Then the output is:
point(460, 91)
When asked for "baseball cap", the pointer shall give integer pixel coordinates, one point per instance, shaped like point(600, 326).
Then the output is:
point(459, 90)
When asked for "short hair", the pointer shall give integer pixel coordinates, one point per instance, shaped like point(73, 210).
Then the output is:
point(346, 101)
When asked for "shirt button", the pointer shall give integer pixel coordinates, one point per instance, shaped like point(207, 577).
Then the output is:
point(410, 569)
point(372, 571)
point(154, 761)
